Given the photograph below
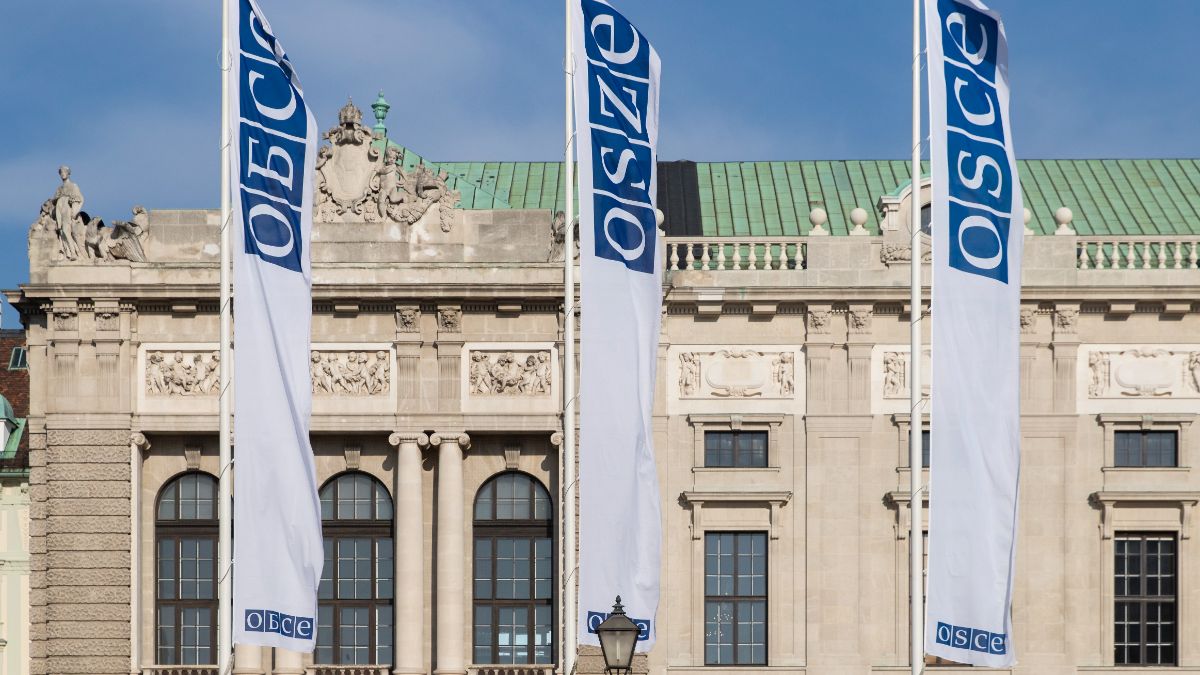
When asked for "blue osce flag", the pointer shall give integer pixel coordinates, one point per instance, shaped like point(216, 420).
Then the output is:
point(277, 547)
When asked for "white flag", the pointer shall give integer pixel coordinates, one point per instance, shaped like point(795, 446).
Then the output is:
point(616, 122)
point(277, 547)
point(976, 424)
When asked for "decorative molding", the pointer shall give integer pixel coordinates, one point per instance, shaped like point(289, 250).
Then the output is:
point(737, 373)
point(858, 320)
point(1066, 320)
point(401, 437)
point(512, 457)
point(351, 373)
point(1028, 321)
point(1143, 372)
point(1107, 501)
point(510, 373)
point(891, 254)
point(408, 319)
point(461, 438)
point(818, 321)
point(108, 319)
point(139, 441)
point(698, 500)
point(449, 320)
point(352, 453)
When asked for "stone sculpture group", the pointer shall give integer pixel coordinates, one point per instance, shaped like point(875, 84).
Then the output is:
point(509, 374)
point(81, 236)
point(351, 373)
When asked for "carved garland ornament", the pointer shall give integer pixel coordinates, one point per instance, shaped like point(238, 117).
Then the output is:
point(1144, 373)
point(510, 373)
point(731, 373)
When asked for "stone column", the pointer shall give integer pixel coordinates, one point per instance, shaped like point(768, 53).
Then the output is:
point(247, 660)
point(451, 552)
point(409, 616)
point(137, 446)
point(288, 662)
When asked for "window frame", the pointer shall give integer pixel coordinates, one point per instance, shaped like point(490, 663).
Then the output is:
point(18, 359)
point(1143, 436)
point(738, 451)
point(770, 423)
point(376, 530)
point(1143, 600)
point(1180, 423)
point(736, 599)
point(176, 530)
point(530, 529)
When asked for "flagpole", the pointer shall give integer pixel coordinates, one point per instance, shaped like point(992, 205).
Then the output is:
point(916, 547)
point(225, 493)
point(569, 641)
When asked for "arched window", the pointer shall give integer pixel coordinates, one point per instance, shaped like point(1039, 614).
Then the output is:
point(186, 569)
point(354, 613)
point(514, 572)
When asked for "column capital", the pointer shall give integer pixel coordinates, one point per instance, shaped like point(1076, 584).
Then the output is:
point(461, 438)
point(400, 437)
point(138, 440)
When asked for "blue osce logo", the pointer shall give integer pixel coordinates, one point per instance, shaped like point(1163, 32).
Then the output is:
point(619, 98)
point(980, 168)
point(271, 146)
point(962, 637)
point(267, 621)
point(596, 618)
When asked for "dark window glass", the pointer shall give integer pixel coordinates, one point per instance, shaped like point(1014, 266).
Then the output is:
point(513, 572)
point(925, 449)
point(186, 571)
point(18, 360)
point(927, 219)
point(1146, 448)
point(1146, 631)
point(726, 449)
point(354, 612)
point(735, 598)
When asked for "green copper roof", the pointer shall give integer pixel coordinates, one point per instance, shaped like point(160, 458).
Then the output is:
point(1117, 197)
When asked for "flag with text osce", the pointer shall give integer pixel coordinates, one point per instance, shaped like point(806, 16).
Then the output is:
point(277, 547)
point(616, 74)
point(975, 423)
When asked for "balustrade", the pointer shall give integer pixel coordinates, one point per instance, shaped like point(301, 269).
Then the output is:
point(736, 253)
point(1145, 253)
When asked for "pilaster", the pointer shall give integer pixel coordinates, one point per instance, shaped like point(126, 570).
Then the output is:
point(1065, 348)
point(449, 350)
point(818, 349)
point(859, 342)
point(408, 343)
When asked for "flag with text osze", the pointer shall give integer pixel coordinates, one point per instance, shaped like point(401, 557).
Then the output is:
point(277, 548)
point(616, 74)
point(975, 422)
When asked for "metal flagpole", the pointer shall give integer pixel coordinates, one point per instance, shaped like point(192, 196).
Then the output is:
point(916, 547)
point(569, 640)
point(225, 493)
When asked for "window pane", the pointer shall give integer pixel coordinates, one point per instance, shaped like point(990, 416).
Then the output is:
point(325, 589)
point(483, 634)
point(383, 570)
point(383, 634)
point(324, 653)
point(543, 635)
point(166, 502)
point(166, 569)
point(166, 635)
point(1145, 628)
point(735, 608)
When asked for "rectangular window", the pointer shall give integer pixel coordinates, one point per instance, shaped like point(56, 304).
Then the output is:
point(925, 449)
point(1145, 631)
point(1146, 448)
point(735, 598)
point(729, 449)
point(18, 359)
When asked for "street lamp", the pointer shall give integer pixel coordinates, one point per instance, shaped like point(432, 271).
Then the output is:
point(618, 637)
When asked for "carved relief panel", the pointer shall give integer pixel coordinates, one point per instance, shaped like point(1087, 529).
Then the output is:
point(517, 377)
point(184, 378)
point(761, 378)
point(1138, 378)
point(891, 378)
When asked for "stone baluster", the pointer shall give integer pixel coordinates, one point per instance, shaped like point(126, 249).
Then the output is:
point(1083, 256)
point(451, 555)
point(737, 256)
point(1101, 259)
point(783, 256)
point(752, 258)
point(800, 255)
point(705, 258)
point(1145, 255)
point(691, 255)
point(767, 259)
point(1130, 257)
point(409, 618)
point(1178, 258)
point(721, 256)
point(1194, 257)
point(674, 246)
point(1162, 255)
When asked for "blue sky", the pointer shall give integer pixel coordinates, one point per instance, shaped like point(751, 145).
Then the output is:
point(127, 91)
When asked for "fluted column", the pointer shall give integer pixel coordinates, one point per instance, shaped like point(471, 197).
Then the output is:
point(409, 617)
point(451, 560)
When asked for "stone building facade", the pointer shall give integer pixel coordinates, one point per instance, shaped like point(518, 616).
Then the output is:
point(781, 423)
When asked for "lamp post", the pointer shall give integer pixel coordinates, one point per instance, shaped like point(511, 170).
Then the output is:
point(618, 637)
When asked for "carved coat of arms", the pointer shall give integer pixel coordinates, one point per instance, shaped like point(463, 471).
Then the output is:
point(359, 182)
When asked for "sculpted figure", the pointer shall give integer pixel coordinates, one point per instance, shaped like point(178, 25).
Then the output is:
point(893, 374)
point(529, 377)
point(182, 376)
point(156, 379)
point(558, 237)
point(333, 372)
point(408, 320)
point(784, 374)
point(689, 374)
point(1194, 369)
point(125, 240)
point(44, 222)
point(68, 202)
point(210, 383)
point(543, 373)
point(480, 375)
point(317, 373)
point(1101, 369)
point(379, 373)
